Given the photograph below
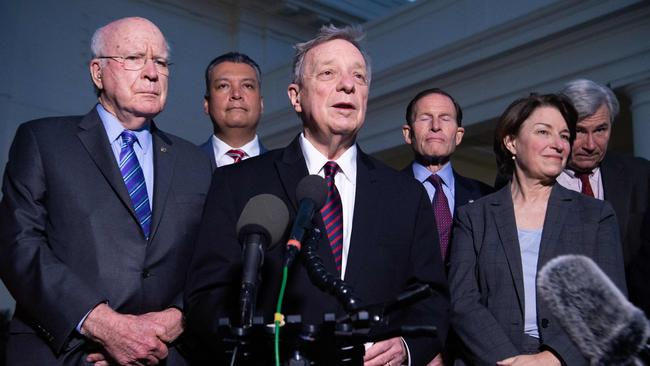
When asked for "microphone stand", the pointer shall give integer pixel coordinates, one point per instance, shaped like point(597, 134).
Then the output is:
point(338, 340)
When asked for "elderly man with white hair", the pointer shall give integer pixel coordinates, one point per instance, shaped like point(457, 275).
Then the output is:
point(98, 217)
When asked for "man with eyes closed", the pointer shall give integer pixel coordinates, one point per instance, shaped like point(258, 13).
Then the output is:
point(376, 223)
point(99, 215)
point(433, 128)
point(233, 100)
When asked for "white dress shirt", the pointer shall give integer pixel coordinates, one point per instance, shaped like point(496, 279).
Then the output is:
point(251, 148)
point(568, 179)
point(346, 183)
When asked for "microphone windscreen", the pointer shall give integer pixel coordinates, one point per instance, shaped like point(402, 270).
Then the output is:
point(264, 214)
point(313, 187)
point(603, 324)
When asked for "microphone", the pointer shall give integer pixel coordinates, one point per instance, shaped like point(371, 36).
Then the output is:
point(311, 194)
point(601, 322)
point(261, 223)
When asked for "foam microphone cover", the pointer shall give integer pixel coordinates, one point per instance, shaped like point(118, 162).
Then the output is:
point(314, 188)
point(602, 323)
point(264, 214)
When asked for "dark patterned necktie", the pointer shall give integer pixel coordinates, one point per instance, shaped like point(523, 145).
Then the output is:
point(586, 185)
point(236, 154)
point(134, 181)
point(332, 213)
point(443, 215)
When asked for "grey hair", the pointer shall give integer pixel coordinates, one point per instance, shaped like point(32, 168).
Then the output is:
point(352, 34)
point(587, 96)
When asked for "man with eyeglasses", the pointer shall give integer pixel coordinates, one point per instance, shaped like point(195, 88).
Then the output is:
point(98, 217)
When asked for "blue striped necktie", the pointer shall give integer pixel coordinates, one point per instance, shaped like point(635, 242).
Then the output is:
point(134, 181)
point(332, 214)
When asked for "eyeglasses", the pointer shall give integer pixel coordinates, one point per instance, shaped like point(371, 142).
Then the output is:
point(135, 63)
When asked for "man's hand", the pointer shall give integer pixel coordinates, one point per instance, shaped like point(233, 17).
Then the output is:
point(544, 358)
point(171, 319)
point(390, 352)
point(128, 339)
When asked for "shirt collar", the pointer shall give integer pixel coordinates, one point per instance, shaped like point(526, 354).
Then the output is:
point(315, 160)
point(571, 173)
point(446, 173)
point(251, 148)
point(114, 128)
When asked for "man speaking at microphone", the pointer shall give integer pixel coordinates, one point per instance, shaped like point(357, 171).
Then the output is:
point(376, 222)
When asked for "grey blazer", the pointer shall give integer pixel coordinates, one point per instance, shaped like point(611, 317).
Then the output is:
point(485, 278)
point(69, 238)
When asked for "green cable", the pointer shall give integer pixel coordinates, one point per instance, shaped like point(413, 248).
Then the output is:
point(278, 312)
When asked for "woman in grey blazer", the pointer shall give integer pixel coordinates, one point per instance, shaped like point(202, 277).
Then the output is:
point(502, 240)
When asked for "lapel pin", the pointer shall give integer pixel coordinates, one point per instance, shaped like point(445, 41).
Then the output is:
point(163, 149)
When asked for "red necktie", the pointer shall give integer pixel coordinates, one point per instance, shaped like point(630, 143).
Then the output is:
point(236, 154)
point(332, 214)
point(442, 213)
point(586, 186)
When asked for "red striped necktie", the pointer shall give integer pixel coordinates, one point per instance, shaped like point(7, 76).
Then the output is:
point(332, 214)
point(236, 154)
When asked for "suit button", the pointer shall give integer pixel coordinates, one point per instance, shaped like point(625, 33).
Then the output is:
point(544, 323)
point(146, 273)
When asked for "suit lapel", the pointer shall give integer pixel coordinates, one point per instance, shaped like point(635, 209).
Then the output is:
point(164, 158)
point(94, 139)
point(462, 194)
point(366, 209)
point(503, 214)
point(291, 169)
point(557, 209)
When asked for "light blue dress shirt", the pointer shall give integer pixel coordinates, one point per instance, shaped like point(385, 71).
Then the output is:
point(446, 173)
point(143, 147)
point(529, 241)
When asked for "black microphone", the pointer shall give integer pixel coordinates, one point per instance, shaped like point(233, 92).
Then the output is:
point(261, 223)
point(311, 194)
point(603, 324)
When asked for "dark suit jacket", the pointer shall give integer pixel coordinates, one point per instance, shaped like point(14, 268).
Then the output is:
point(485, 278)
point(69, 238)
point(207, 148)
point(626, 182)
point(391, 246)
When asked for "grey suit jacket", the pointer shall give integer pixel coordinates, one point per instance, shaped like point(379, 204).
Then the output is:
point(486, 280)
point(207, 148)
point(69, 238)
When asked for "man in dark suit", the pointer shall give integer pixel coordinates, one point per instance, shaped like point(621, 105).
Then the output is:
point(380, 238)
point(98, 217)
point(623, 181)
point(433, 128)
point(233, 100)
